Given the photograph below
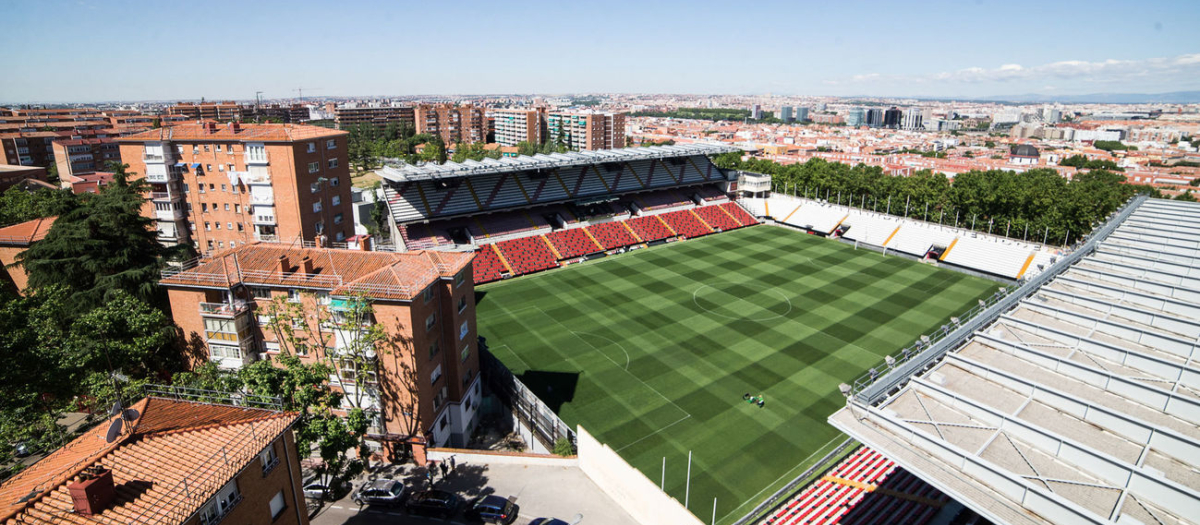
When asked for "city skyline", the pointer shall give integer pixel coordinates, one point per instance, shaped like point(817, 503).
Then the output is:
point(937, 49)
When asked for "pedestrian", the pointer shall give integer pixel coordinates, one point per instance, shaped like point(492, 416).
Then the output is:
point(452, 467)
point(445, 469)
point(429, 475)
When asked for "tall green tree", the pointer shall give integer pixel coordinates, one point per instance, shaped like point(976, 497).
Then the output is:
point(101, 247)
point(19, 206)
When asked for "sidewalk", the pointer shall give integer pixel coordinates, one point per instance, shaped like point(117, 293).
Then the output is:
point(540, 491)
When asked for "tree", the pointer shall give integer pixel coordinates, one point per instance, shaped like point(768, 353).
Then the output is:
point(102, 246)
point(380, 214)
point(989, 144)
point(18, 206)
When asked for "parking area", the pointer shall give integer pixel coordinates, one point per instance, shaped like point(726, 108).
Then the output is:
point(562, 492)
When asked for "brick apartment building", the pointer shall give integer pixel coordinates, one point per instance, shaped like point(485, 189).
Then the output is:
point(587, 130)
point(28, 148)
point(167, 462)
point(516, 125)
point(454, 123)
point(209, 110)
point(287, 113)
point(425, 298)
point(75, 157)
point(11, 175)
point(379, 116)
point(221, 185)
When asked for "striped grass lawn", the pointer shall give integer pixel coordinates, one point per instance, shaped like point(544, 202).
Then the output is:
point(651, 351)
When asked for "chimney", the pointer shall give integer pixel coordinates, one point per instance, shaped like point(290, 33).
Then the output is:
point(93, 492)
point(285, 265)
point(364, 243)
point(306, 265)
point(235, 126)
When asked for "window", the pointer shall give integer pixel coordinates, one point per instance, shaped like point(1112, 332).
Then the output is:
point(220, 504)
point(336, 200)
point(314, 187)
point(224, 351)
point(220, 244)
point(226, 204)
point(312, 147)
point(317, 207)
point(335, 182)
point(208, 228)
point(218, 147)
point(237, 208)
point(208, 167)
point(186, 189)
point(462, 303)
point(218, 226)
point(294, 295)
point(221, 167)
point(466, 353)
point(223, 188)
point(437, 374)
point(210, 245)
point(314, 167)
point(332, 163)
point(432, 320)
point(320, 226)
point(229, 226)
point(438, 400)
point(191, 225)
point(204, 207)
point(259, 292)
point(352, 373)
point(233, 244)
point(241, 227)
point(206, 147)
point(268, 458)
point(277, 505)
point(337, 219)
point(341, 236)
point(459, 278)
point(445, 419)
point(427, 295)
point(467, 378)
point(433, 350)
point(231, 168)
point(330, 144)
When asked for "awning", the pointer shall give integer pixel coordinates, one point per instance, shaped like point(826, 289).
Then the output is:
point(195, 165)
point(179, 164)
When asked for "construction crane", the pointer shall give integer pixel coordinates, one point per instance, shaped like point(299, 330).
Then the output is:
point(300, 92)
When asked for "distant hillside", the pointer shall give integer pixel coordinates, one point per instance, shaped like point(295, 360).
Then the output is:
point(1177, 97)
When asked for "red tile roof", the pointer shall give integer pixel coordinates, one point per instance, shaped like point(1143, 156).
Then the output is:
point(165, 445)
point(381, 275)
point(26, 233)
point(215, 131)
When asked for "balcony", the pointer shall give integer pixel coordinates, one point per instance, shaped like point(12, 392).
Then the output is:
point(170, 215)
point(151, 158)
point(268, 220)
point(164, 196)
point(225, 310)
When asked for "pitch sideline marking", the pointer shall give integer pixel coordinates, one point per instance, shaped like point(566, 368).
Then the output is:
point(647, 436)
point(785, 474)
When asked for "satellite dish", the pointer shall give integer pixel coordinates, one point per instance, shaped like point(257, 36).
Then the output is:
point(370, 353)
point(116, 409)
point(114, 430)
point(130, 414)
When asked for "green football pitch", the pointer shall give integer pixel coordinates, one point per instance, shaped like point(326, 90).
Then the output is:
point(652, 351)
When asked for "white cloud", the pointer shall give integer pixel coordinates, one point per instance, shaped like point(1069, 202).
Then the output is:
point(1103, 72)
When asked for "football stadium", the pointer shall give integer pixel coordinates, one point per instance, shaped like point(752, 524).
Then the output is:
point(773, 359)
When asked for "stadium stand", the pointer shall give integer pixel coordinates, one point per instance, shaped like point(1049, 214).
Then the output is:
point(871, 228)
point(528, 254)
point(660, 200)
point(572, 243)
point(740, 214)
point(488, 267)
point(709, 194)
point(685, 223)
point(865, 488)
point(717, 217)
point(649, 228)
point(1073, 400)
point(820, 218)
point(611, 235)
point(1004, 259)
point(493, 228)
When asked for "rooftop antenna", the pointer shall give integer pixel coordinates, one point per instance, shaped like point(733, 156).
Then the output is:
point(257, 99)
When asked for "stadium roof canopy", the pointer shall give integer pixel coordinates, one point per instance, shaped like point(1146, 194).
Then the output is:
point(1077, 400)
point(471, 168)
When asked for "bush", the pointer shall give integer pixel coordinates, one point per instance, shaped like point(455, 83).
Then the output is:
point(563, 447)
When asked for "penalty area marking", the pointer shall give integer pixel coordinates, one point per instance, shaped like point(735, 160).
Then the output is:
point(589, 334)
point(764, 288)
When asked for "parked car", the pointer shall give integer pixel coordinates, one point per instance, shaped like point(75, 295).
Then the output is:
point(493, 509)
point(433, 503)
point(547, 521)
point(318, 490)
point(379, 492)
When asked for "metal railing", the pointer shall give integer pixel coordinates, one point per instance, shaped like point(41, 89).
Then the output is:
point(224, 309)
point(217, 397)
point(877, 383)
point(526, 405)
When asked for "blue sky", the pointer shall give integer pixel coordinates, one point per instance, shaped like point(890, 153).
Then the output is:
point(93, 50)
